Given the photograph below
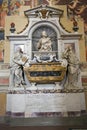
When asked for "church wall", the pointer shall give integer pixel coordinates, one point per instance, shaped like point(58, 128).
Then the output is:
point(22, 9)
point(7, 52)
point(20, 23)
point(82, 50)
point(68, 25)
point(2, 104)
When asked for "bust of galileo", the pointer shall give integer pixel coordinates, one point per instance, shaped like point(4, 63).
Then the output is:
point(44, 43)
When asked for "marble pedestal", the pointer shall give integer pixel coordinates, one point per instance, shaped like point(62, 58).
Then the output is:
point(44, 103)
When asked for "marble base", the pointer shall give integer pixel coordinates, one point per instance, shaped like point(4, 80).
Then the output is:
point(45, 104)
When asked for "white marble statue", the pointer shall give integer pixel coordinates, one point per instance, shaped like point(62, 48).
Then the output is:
point(19, 61)
point(73, 69)
point(44, 43)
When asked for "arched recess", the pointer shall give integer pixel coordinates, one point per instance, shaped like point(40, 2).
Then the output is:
point(35, 34)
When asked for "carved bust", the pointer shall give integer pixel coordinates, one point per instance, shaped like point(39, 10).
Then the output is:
point(44, 43)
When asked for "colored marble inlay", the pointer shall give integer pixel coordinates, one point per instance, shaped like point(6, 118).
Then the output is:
point(4, 81)
point(84, 81)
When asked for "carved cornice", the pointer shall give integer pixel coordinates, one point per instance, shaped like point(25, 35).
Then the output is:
point(71, 36)
point(43, 11)
point(17, 37)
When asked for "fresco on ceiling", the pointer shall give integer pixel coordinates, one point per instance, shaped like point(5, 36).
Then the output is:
point(75, 9)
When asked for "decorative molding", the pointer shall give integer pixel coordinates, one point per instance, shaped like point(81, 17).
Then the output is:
point(71, 36)
point(29, 91)
point(17, 37)
point(43, 11)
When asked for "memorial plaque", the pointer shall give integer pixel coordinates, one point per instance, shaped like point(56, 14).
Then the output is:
point(53, 102)
point(39, 102)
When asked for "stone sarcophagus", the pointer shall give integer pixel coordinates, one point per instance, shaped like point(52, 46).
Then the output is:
point(45, 72)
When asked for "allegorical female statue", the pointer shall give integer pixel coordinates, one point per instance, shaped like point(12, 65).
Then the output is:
point(73, 68)
point(19, 61)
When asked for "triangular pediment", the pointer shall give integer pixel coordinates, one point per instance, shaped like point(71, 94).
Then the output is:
point(43, 11)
